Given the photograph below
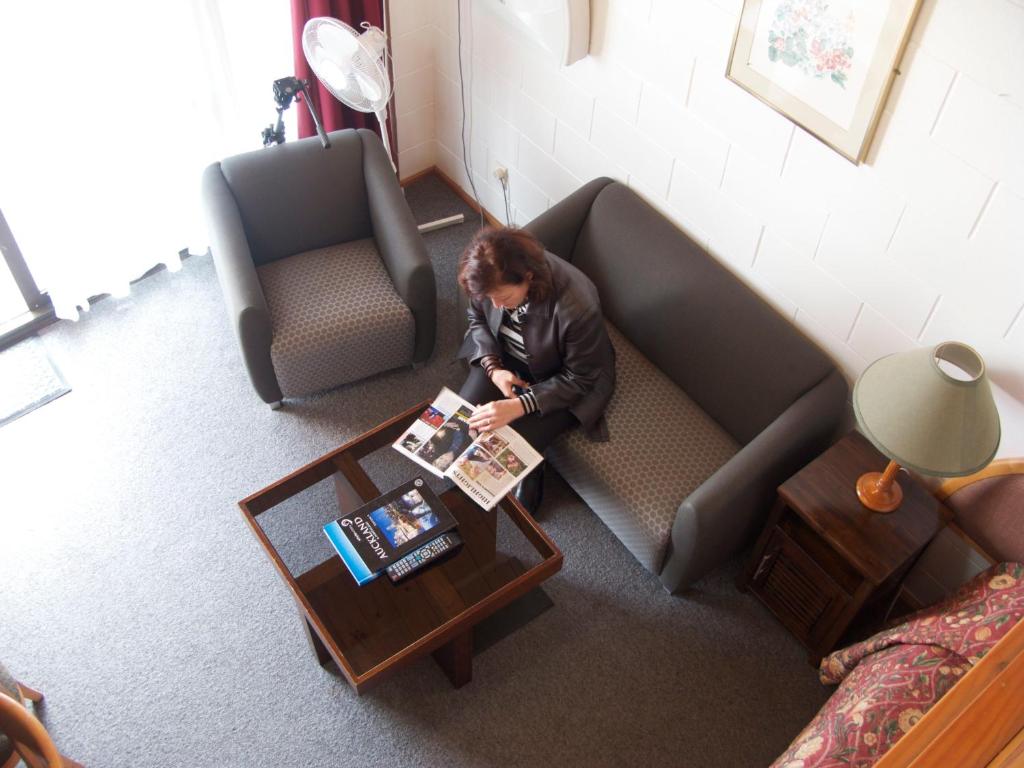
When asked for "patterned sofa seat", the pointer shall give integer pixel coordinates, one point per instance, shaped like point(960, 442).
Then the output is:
point(674, 447)
point(888, 682)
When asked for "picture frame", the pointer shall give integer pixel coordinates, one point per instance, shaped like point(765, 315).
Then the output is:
point(827, 65)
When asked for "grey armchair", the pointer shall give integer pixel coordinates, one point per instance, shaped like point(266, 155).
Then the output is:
point(324, 273)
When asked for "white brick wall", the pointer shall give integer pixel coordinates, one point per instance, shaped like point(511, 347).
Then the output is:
point(691, 141)
point(923, 243)
point(414, 50)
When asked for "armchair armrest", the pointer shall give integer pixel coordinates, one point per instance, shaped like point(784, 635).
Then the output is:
point(400, 243)
point(559, 226)
point(243, 294)
point(725, 511)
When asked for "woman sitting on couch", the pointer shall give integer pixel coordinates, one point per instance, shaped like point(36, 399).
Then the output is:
point(537, 345)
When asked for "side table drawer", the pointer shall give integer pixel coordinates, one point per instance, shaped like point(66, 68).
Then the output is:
point(797, 590)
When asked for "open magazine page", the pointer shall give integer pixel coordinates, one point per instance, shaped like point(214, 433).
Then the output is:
point(440, 434)
point(493, 465)
point(486, 465)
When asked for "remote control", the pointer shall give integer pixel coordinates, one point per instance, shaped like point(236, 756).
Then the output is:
point(430, 552)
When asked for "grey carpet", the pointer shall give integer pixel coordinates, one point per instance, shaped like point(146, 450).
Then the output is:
point(28, 379)
point(134, 596)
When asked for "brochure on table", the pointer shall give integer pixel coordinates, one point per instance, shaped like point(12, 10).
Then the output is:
point(486, 465)
point(386, 529)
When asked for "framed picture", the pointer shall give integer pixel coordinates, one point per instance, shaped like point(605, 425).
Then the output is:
point(827, 65)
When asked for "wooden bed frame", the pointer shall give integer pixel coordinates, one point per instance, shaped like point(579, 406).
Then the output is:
point(980, 722)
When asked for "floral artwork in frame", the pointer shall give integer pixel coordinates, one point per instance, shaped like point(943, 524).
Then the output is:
point(827, 65)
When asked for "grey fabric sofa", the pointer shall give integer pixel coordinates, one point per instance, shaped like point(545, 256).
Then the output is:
point(719, 397)
point(324, 272)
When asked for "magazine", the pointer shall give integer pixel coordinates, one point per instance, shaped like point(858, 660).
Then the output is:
point(386, 529)
point(486, 465)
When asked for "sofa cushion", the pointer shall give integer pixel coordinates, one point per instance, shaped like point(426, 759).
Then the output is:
point(662, 447)
point(335, 318)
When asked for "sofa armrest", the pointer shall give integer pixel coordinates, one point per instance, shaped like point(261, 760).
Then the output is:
point(726, 511)
point(559, 226)
point(243, 294)
point(400, 244)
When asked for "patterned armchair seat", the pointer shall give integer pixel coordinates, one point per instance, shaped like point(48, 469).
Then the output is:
point(335, 317)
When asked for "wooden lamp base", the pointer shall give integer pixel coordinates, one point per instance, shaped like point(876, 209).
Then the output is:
point(879, 491)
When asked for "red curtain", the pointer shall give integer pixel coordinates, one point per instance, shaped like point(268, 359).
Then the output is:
point(333, 114)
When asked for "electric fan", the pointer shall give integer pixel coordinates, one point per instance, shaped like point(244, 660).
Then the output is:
point(351, 66)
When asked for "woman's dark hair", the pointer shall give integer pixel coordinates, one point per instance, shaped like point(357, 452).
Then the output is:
point(504, 256)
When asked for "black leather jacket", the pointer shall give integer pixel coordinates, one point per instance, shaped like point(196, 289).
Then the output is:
point(572, 359)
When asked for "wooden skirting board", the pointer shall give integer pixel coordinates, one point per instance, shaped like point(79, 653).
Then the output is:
point(468, 199)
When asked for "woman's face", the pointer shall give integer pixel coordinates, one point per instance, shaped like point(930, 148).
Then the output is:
point(509, 295)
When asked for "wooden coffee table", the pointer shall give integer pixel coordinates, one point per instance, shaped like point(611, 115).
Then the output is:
point(373, 630)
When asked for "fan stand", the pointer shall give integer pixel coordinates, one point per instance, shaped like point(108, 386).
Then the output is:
point(447, 221)
point(430, 226)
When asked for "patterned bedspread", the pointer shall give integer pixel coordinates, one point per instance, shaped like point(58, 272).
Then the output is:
point(889, 681)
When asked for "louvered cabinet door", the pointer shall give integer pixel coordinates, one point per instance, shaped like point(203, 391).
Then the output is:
point(801, 594)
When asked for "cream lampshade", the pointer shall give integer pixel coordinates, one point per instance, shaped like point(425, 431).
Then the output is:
point(927, 409)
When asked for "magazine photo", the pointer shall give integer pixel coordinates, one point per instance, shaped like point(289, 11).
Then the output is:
point(405, 518)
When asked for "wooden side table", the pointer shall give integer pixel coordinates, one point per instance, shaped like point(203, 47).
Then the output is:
point(823, 556)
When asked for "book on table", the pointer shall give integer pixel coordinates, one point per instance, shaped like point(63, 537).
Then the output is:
point(485, 465)
point(386, 529)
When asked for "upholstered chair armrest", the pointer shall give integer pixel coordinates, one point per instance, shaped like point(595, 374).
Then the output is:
point(243, 294)
point(559, 226)
point(399, 242)
point(727, 510)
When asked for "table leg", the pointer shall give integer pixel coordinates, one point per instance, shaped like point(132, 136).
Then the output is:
point(456, 659)
point(315, 643)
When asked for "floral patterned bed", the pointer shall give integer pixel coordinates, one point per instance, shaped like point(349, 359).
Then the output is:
point(890, 680)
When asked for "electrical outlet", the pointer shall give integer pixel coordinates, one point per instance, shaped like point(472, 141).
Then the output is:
point(501, 173)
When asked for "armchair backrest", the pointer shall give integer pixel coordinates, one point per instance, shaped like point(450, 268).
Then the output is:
point(727, 348)
point(297, 196)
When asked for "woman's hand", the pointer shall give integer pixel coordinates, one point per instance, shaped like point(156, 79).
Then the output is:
point(496, 414)
point(505, 380)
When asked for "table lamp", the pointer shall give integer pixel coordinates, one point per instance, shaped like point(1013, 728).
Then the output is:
point(930, 410)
